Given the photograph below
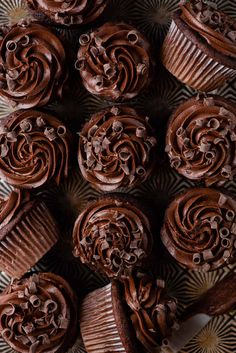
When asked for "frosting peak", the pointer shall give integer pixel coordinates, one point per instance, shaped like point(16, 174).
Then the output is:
point(152, 311)
point(38, 314)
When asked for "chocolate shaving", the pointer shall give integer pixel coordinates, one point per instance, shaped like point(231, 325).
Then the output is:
point(28, 328)
point(50, 133)
point(24, 305)
point(40, 122)
point(84, 39)
point(26, 125)
point(115, 111)
point(61, 131)
point(11, 136)
point(4, 150)
point(141, 132)
point(209, 101)
point(207, 255)
point(44, 338)
point(213, 124)
point(117, 126)
point(33, 347)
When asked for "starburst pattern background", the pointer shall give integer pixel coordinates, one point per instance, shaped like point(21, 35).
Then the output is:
point(152, 17)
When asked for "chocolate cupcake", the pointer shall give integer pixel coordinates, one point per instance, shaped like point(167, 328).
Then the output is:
point(133, 316)
point(116, 149)
point(200, 48)
point(27, 232)
point(67, 13)
point(199, 229)
point(32, 66)
point(38, 314)
point(201, 140)
point(114, 61)
point(113, 236)
point(34, 149)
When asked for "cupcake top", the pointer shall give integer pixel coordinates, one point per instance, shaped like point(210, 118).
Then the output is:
point(114, 61)
point(38, 314)
point(199, 229)
point(116, 149)
point(34, 149)
point(215, 27)
point(32, 66)
point(69, 12)
point(152, 311)
point(113, 236)
point(201, 140)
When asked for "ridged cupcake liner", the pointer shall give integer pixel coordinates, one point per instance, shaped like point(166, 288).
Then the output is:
point(27, 241)
point(187, 62)
point(98, 324)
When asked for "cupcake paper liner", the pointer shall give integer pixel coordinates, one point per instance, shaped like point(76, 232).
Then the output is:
point(28, 240)
point(190, 64)
point(98, 325)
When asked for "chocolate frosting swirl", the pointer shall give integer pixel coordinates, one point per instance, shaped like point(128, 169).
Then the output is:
point(38, 314)
point(201, 140)
point(200, 229)
point(112, 235)
point(114, 61)
point(69, 12)
point(218, 29)
point(34, 149)
point(32, 66)
point(116, 149)
point(152, 310)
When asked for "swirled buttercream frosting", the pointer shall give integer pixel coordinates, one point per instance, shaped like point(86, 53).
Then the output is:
point(152, 310)
point(201, 140)
point(116, 149)
point(32, 66)
point(199, 229)
point(214, 26)
point(69, 12)
point(114, 61)
point(112, 235)
point(34, 149)
point(38, 314)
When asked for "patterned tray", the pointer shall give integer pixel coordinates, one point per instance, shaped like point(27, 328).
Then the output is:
point(152, 17)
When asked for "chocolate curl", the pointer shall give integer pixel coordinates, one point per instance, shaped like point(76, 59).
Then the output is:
point(207, 255)
point(214, 124)
point(224, 232)
point(109, 70)
point(84, 39)
point(141, 132)
point(35, 301)
point(25, 40)
point(50, 306)
point(204, 146)
point(115, 111)
point(61, 131)
point(11, 46)
point(226, 243)
point(80, 64)
point(11, 136)
point(230, 214)
point(4, 150)
point(181, 132)
point(197, 258)
point(7, 334)
point(210, 155)
point(26, 125)
point(9, 310)
point(117, 126)
point(40, 122)
point(132, 37)
point(226, 172)
point(175, 162)
point(50, 133)
point(140, 171)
